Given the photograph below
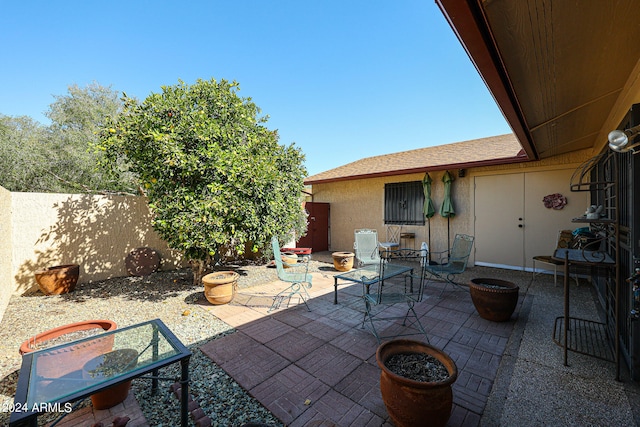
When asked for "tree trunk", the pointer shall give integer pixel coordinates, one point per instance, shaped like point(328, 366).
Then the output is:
point(199, 268)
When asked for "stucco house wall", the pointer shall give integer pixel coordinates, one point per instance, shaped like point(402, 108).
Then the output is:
point(96, 232)
point(359, 203)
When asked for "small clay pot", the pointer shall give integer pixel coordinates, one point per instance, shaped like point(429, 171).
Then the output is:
point(220, 287)
point(106, 366)
point(343, 261)
point(289, 259)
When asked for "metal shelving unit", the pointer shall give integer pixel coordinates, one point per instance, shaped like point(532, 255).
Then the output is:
point(600, 256)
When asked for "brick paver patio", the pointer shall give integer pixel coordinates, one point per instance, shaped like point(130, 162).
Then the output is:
point(318, 367)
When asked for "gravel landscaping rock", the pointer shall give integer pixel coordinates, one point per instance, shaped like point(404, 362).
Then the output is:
point(167, 295)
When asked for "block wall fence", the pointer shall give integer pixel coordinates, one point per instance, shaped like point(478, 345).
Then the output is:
point(39, 230)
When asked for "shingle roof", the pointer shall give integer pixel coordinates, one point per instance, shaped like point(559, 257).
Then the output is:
point(499, 149)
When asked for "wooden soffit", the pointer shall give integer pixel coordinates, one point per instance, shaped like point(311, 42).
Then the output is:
point(563, 73)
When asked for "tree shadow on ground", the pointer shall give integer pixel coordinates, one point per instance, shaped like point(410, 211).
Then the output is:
point(155, 287)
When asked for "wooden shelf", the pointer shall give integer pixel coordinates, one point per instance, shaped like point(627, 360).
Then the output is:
point(585, 220)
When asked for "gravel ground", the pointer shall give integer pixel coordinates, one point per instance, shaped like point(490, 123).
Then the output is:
point(168, 295)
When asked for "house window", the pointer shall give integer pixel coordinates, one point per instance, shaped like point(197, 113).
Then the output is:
point(403, 203)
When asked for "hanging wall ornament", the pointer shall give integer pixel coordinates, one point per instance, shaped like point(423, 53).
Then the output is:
point(554, 201)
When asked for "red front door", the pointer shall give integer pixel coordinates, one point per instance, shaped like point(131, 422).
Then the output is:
point(317, 237)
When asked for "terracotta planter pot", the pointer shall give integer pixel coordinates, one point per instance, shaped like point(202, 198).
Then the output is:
point(58, 363)
point(220, 287)
point(415, 403)
point(289, 258)
point(59, 279)
point(103, 366)
point(343, 261)
point(30, 344)
point(494, 299)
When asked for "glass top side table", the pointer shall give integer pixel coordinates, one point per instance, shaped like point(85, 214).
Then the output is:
point(78, 369)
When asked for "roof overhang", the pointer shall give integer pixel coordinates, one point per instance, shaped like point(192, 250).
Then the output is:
point(564, 74)
point(521, 157)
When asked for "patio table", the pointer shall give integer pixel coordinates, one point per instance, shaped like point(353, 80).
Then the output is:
point(42, 389)
point(369, 275)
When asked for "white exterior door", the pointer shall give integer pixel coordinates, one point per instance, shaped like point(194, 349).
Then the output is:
point(512, 225)
point(499, 220)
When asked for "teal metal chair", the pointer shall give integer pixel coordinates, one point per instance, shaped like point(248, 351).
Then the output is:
point(452, 261)
point(402, 289)
point(299, 280)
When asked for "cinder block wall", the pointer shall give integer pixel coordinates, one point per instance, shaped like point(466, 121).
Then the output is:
point(97, 232)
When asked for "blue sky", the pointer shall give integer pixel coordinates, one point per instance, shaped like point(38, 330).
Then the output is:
point(342, 80)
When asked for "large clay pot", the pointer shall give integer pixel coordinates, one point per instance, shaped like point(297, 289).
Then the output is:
point(103, 367)
point(412, 403)
point(220, 287)
point(58, 363)
point(59, 279)
point(343, 261)
point(494, 299)
point(104, 325)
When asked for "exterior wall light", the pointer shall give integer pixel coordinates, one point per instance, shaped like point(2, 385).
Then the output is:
point(618, 139)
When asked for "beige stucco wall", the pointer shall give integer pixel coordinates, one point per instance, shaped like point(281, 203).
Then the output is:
point(360, 203)
point(96, 232)
point(6, 282)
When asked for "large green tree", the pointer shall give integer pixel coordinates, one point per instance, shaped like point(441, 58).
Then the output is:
point(76, 119)
point(60, 157)
point(23, 162)
point(215, 175)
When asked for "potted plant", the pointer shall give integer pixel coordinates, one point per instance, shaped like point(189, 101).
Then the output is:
point(415, 382)
point(220, 287)
point(110, 365)
point(494, 299)
point(58, 279)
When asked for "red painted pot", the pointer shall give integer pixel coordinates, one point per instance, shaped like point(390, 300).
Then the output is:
point(412, 403)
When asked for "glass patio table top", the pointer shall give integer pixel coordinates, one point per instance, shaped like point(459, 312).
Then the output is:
point(369, 275)
point(77, 369)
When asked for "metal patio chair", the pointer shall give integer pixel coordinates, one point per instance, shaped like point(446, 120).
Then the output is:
point(452, 261)
point(393, 238)
point(366, 247)
point(299, 280)
point(405, 288)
